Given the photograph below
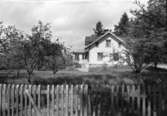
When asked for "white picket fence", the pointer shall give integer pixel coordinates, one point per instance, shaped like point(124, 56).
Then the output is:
point(80, 100)
point(37, 100)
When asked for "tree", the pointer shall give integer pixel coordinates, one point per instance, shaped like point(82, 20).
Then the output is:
point(99, 30)
point(55, 57)
point(34, 49)
point(41, 36)
point(148, 26)
point(122, 28)
point(137, 56)
point(10, 38)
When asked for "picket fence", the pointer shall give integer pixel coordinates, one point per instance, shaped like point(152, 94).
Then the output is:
point(81, 100)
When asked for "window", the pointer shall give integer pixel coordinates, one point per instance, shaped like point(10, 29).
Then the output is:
point(76, 56)
point(83, 56)
point(99, 56)
point(115, 56)
point(108, 43)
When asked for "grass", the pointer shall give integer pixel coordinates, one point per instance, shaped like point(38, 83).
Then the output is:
point(112, 75)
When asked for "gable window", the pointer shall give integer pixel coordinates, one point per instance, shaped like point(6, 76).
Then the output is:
point(99, 56)
point(115, 56)
point(108, 43)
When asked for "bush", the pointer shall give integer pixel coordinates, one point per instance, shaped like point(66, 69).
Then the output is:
point(77, 65)
point(3, 67)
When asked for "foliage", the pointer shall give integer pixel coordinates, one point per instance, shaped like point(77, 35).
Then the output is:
point(148, 31)
point(10, 38)
point(99, 30)
point(55, 57)
point(137, 56)
point(30, 52)
point(122, 28)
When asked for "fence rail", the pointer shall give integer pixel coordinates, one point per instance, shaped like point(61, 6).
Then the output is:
point(81, 100)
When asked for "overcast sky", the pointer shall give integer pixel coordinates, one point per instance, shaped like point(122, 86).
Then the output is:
point(71, 20)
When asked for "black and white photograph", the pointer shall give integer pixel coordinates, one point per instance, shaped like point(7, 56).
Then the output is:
point(83, 57)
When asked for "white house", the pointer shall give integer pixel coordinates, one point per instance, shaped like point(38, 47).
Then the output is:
point(106, 49)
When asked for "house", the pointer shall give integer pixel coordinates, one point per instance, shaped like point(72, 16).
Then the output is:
point(106, 49)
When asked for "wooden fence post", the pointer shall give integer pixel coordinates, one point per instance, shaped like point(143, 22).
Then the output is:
point(72, 98)
point(39, 96)
point(52, 99)
point(21, 100)
point(4, 100)
point(8, 99)
point(25, 101)
point(57, 100)
point(62, 103)
point(16, 101)
point(143, 106)
point(12, 99)
point(1, 99)
point(48, 100)
point(81, 91)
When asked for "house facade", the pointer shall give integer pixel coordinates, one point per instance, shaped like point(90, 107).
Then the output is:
point(106, 49)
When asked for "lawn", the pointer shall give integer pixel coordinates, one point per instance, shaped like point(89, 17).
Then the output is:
point(112, 75)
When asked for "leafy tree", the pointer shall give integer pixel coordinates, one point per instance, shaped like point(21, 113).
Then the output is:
point(122, 28)
point(41, 35)
point(9, 39)
point(148, 26)
point(137, 56)
point(55, 57)
point(34, 48)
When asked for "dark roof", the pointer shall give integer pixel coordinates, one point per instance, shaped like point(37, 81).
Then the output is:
point(108, 33)
point(90, 39)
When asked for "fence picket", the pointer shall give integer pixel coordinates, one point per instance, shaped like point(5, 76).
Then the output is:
point(4, 100)
point(48, 100)
point(66, 100)
point(57, 100)
point(1, 99)
point(8, 99)
point(29, 101)
point(81, 91)
point(39, 96)
point(12, 99)
point(52, 100)
point(34, 110)
point(72, 97)
point(143, 106)
point(21, 100)
point(25, 101)
point(138, 97)
point(62, 100)
point(16, 100)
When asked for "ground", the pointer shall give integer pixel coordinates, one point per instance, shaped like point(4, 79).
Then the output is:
point(112, 75)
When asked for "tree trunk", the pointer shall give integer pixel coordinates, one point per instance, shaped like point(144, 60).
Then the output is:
point(18, 73)
point(166, 15)
point(155, 65)
point(29, 78)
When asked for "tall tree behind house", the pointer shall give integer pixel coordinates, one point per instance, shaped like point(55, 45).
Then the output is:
point(122, 28)
point(99, 30)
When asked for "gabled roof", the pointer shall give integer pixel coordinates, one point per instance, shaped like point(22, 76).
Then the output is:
point(103, 37)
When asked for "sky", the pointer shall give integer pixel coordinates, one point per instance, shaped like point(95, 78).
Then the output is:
point(71, 20)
